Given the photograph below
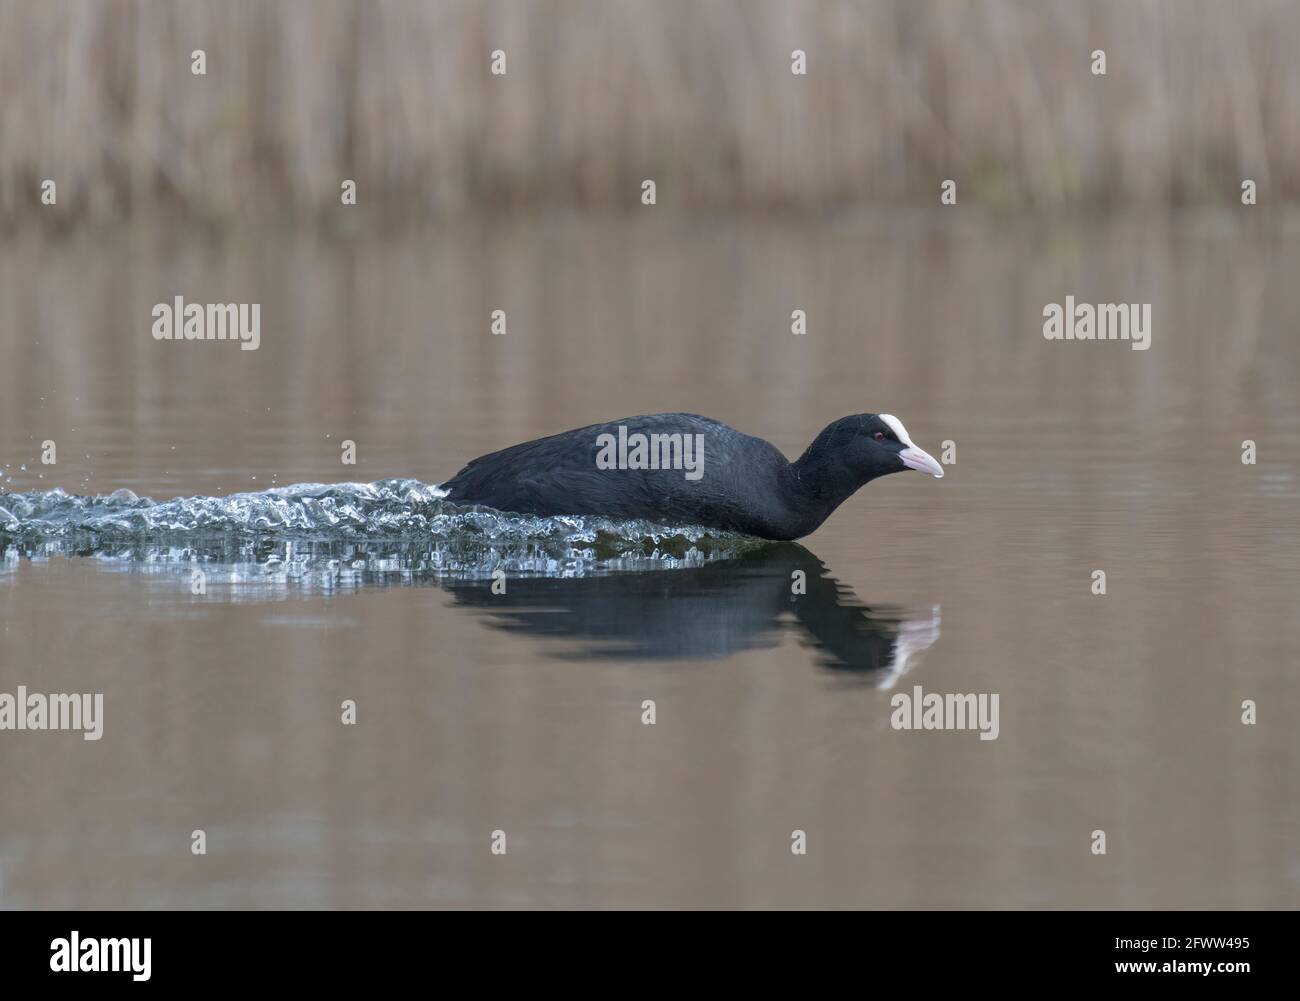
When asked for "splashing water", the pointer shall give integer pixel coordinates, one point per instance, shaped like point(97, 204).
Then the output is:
point(327, 536)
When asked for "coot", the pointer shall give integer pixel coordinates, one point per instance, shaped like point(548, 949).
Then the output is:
point(688, 469)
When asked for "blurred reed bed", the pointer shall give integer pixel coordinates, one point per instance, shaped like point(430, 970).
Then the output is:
point(697, 94)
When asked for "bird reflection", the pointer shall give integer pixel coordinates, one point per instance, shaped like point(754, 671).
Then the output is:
point(713, 610)
point(713, 607)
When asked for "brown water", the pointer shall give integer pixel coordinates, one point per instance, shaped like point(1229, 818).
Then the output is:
point(1119, 712)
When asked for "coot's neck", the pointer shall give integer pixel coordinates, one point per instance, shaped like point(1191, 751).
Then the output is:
point(818, 483)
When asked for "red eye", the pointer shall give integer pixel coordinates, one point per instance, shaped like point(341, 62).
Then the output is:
point(879, 436)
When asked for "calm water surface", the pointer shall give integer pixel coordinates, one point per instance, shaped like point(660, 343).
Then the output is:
point(523, 713)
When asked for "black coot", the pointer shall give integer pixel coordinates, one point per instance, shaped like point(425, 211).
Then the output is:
point(687, 469)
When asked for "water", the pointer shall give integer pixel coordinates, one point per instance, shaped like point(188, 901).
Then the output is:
point(522, 711)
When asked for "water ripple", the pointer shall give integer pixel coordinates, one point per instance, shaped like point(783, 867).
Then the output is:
point(395, 526)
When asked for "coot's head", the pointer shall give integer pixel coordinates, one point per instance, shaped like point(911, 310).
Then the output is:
point(887, 434)
point(869, 445)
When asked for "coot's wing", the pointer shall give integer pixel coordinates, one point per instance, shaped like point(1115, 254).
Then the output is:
point(558, 474)
point(546, 476)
